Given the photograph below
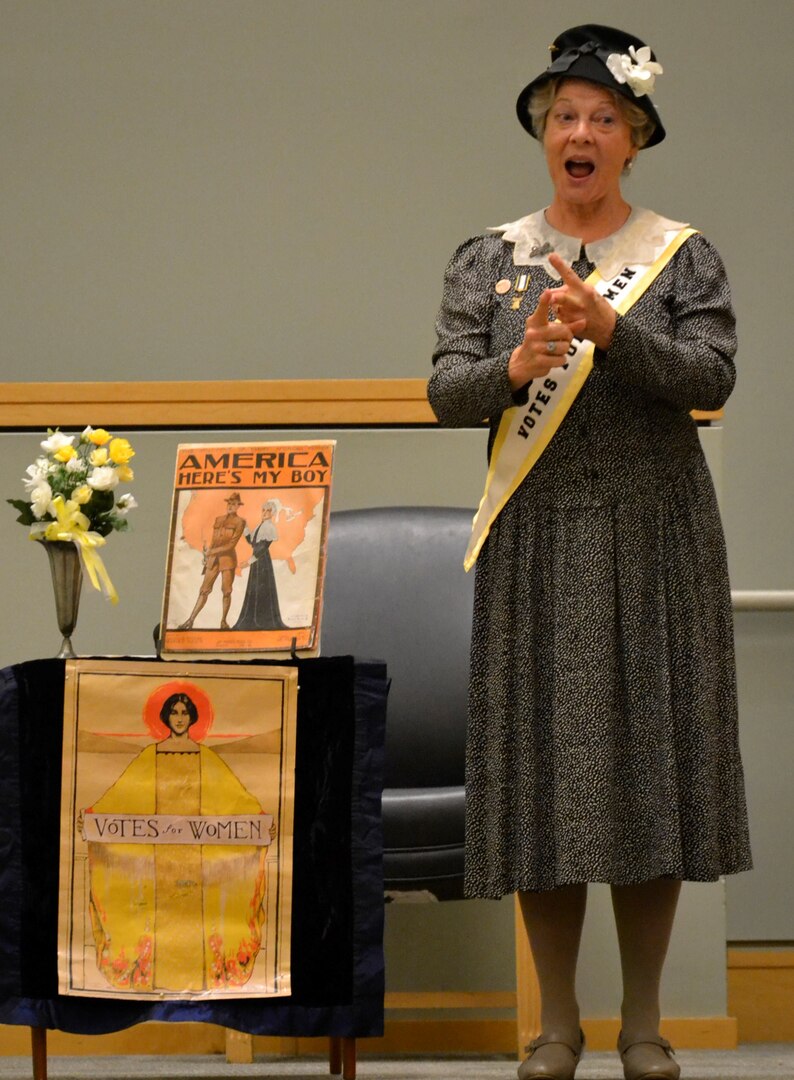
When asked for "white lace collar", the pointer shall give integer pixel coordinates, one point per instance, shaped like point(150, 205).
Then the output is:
point(640, 240)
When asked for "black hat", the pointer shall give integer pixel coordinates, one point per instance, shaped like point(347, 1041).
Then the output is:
point(600, 54)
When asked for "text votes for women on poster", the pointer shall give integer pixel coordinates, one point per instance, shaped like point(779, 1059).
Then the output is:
point(176, 830)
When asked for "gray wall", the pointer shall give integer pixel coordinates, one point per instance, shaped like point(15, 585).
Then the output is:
point(271, 188)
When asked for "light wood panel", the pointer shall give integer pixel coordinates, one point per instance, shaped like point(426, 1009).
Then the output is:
point(493, 1036)
point(417, 1036)
point(222, 404)
point(149, 1038)
point(761, 993)
point(239, 1047)
point(450, 999)
point(225, 404)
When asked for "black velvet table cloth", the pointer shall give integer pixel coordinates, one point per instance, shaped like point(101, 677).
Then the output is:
point(337, 916)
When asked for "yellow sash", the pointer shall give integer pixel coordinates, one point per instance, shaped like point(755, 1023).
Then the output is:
point(526, 430)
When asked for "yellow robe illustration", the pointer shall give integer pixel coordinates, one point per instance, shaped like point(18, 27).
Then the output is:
point(177, 917)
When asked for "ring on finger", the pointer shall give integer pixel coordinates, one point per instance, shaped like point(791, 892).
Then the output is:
point(551, 347)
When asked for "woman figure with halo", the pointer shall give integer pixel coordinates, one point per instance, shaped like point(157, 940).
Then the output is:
point(182, 917)
point(602, 741)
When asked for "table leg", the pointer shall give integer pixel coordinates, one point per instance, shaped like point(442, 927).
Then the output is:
point(348, 1059)
point(38, 1052)
point(335, 1055)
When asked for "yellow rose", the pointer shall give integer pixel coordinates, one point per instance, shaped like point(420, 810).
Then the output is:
point(99, 436)
point(82, 495)
point(98, 457)
point(66, 453)
point(125, 474)
point(120, 451)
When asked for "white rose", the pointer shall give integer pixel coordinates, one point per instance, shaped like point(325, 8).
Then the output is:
point(41, 499)
point(103, 478)
point(56, 441)
point(37, 472)
point(75, 464)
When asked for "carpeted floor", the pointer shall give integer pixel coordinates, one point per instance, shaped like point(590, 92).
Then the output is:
point(755, 1061)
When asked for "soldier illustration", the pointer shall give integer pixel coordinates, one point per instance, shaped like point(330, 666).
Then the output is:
point(220, 558)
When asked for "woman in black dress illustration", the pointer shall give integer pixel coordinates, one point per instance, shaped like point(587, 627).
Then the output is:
point(260, 610)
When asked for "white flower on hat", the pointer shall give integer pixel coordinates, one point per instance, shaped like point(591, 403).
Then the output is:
point(635, 68)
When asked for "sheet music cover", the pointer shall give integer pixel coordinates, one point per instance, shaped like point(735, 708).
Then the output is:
point(246, 554)
point(176, 830)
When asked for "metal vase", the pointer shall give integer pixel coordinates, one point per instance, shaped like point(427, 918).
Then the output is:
point(67, 580)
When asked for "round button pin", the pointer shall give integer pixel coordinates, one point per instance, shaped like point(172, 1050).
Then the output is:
point(502, 286)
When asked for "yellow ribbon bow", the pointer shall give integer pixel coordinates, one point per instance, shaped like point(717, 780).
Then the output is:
point(72, 525)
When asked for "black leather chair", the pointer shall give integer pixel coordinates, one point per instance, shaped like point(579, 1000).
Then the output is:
point(396, 591)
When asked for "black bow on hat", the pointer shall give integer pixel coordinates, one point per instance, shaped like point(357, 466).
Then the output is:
point(583, 52)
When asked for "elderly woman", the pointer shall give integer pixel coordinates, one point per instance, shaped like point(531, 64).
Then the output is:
point(602, 736)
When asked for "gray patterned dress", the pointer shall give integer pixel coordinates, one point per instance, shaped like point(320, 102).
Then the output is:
point(602, 740)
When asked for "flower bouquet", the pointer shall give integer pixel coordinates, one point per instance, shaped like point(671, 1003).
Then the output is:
point(72, 506)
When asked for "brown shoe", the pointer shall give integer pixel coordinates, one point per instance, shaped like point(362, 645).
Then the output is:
point(549, 1059)
point(651, 1059)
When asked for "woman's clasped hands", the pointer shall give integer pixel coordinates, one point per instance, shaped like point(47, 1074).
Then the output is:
point(577, 310)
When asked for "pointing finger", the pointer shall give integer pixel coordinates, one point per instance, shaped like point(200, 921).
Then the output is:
point(564, 270)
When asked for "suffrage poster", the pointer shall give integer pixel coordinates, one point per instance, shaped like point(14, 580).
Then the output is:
point(176, 830)
point(246, 553)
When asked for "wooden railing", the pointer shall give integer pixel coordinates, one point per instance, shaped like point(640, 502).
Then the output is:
point(223, 404)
